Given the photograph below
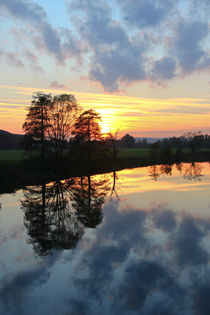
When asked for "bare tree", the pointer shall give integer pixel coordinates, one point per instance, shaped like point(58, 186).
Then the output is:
point(63, 114)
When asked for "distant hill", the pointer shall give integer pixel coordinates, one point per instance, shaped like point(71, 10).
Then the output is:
point(4, 132)
point(10, 141)
point(149, 140)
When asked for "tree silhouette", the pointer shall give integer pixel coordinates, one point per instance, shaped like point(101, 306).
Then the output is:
point(127, 141)
point(111, 140)
point(37, 121)
point(87, 131)
point(62, 116)
point(50, 121)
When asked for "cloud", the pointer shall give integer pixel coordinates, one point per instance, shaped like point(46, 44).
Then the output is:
point(201, 299)
point(32, 14)
point(118, 43)
point(122, 54)
point(123, 64)
point(116, 58)
point(164, 68)
point(129, 264)
point(191, 55)
point(24, 10)
point(165, 220)
point(97, 26)
point(189, 110)
point(140, 279)
point(14, 289)
point(56, 85)
point(188, 243)
point(145, 13)
point(12, 59)
point(72, 46)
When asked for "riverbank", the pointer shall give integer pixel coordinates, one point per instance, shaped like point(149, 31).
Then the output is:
point(21, 172)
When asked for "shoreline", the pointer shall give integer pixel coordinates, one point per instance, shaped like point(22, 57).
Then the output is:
point(24, 173)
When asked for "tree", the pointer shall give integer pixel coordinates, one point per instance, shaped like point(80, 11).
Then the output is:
point(194, 139)
point(37, 120)
point(127, 141)
point(62, 117)
point(87, 130)
point(112, 139)
point(50, 120)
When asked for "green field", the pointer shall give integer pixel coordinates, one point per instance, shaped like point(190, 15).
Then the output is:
point(18, 155)
point(134, 153)
point(11, 155)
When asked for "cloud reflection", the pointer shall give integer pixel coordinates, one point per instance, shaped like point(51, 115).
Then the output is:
point(146, 261)
point(143, 260)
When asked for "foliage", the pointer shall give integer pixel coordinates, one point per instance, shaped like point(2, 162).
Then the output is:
point(127, 141)
point(37, 121)
point(87, 126)
point(49, 122)
point(112, 142)
point(62, 116)
point(87, 134)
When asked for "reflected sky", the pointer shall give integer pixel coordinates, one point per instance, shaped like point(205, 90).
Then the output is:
point(148, 254)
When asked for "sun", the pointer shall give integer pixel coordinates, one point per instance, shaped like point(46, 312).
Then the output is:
point(105, 128)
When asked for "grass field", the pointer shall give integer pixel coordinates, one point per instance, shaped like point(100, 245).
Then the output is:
point(11, 155)
point(18, 155)
point(134, 153)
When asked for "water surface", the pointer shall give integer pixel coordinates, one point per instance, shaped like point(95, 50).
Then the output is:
point(130, 242)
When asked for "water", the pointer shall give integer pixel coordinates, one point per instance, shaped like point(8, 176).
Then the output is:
point(131, 242)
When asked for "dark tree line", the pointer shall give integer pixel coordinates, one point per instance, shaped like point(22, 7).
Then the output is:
point(191, 140)
point(57, 127)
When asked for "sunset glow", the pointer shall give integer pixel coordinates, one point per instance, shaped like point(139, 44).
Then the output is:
point(136, 69)
point(139, 116)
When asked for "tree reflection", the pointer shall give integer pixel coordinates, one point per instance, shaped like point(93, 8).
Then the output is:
point(154, 172)
point(190, 171)
point(166, 169)
point(179, 167)
point(48, 218)
point(113, 188)
point(87, 199)
point(57, 213)
point(193, 171)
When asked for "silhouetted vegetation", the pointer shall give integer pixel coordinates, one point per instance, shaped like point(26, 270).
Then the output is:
point(56, 214)
point(49, 123)
point(61, 140)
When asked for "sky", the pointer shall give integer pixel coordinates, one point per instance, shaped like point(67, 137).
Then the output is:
point(142, 64)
